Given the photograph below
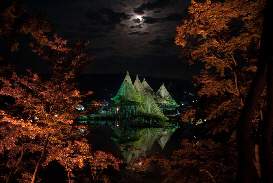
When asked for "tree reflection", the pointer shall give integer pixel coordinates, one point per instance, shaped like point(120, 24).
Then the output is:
point(135, 142)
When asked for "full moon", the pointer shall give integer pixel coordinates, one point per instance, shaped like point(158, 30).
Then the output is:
point(137, 19)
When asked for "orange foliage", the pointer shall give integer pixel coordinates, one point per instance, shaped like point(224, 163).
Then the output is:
point(38, 115)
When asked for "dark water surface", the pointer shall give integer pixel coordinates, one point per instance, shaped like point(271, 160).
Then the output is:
point(147, 141)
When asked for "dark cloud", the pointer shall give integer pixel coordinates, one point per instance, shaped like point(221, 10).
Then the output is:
point(150, 20)
point(110, 48)
point(139, 33)
point(151, 6)
point(175, 17)
point(156, 4)
point(97, 50)
point(118, 40)
point(136, 26)
point(157, 51)
point(93, 31)
point(155, 42)
point(168, 42)
point(89, 28)
point(106, 16)
point(139, 10)
point(157, 11)
point(145, 65)
point(69, 34)
point(170, 17)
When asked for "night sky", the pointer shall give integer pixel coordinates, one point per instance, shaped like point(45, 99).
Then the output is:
point(125, 35)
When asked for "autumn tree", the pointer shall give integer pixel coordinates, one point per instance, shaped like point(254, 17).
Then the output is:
point(193, 162)
point(262, 79)
point(225, 38)
point(16, 22)
point(37, 115)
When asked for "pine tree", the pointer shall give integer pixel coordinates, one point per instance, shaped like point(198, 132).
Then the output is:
point(168, 102)
point(139, 87)
point(148, 96)
point(128, 98)
point(150, 99)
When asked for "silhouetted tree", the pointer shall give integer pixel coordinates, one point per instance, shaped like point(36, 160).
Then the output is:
point(226, 38)
point(37, 115)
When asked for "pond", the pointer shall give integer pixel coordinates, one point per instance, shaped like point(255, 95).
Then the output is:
point(129, 142)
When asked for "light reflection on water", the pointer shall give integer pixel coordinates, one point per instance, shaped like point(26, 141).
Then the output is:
point(133, 140)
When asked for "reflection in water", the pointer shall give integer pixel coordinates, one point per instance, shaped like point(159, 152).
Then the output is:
point(135, 142)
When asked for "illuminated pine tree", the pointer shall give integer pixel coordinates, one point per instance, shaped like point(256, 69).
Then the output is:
point(146, 86)
point(128, 98)
point(168, 102)
point(139, 87)
point(150, 98)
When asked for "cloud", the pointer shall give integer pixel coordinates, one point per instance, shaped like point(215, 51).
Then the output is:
point(157, 11)
point(106, 16)
point(139, 10)
point(166, 43)
point(155, 42)
point(156, 4)
point(136, 26)
point(151, 6)
point(139, 33)
point(169, 42)
point(145, 65)
point(96, 50)
point(150, 20)
point(175, 17)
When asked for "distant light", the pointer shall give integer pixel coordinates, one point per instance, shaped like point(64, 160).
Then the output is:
point(205, 120)
point(56, 115)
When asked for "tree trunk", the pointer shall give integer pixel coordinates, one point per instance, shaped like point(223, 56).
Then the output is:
point(14, 169)
point(43, 155)
point(257, 161)
point(244, 143)
point(244, 127)
point(266, 132)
